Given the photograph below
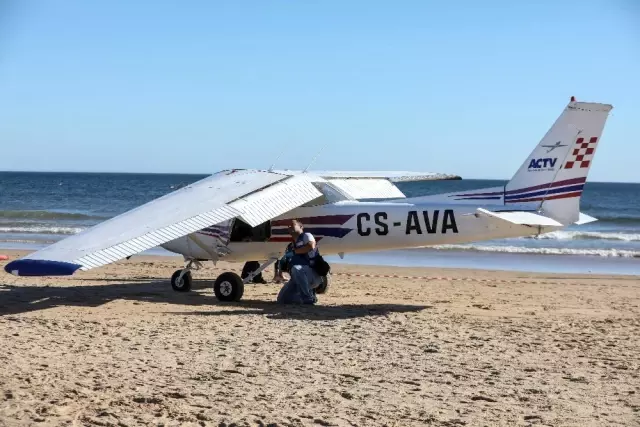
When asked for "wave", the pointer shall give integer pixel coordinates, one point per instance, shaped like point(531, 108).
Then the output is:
point(588, 235)
point(613, 253)
point(48, 215)
point(42, 230)
point(617, 219)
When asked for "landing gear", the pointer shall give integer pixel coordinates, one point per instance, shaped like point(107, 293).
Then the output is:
point(249, 276)
point(181, 282)
point(228, 287)
point(326, 281)
point(181, 279)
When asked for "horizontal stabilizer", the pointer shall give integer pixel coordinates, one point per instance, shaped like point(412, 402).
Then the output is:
point(522, 218)
point(585, 219)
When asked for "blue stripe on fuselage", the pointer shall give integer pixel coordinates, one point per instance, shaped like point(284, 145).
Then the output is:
point(569, 189)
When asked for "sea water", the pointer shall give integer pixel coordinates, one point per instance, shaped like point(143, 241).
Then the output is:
point(37, 209)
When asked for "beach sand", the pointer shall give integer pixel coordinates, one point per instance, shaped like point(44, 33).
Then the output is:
point(117, 346)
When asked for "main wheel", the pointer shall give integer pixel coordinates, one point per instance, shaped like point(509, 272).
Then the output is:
point(184, 285)
point(326, 281)
point(228, 287)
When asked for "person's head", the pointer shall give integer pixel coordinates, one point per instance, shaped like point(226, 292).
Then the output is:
point(295, 227)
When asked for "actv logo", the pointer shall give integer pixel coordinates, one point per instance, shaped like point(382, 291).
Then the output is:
point(545, 163)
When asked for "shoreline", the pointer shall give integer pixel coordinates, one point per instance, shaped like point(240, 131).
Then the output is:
point(451, 262)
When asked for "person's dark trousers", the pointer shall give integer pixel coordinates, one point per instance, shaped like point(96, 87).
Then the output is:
point(250, 266)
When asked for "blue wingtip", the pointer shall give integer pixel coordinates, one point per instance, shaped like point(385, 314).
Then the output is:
point(40, 267)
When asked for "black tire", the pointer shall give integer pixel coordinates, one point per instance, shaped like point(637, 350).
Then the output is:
point(185, 283)
point(228, 287)
point(326, 282)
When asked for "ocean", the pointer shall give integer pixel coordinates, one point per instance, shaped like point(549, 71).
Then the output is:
point(37, 209)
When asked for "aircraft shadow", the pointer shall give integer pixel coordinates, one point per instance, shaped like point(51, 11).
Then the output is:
point(26, 298)
point(273, 310)
point(29, 298)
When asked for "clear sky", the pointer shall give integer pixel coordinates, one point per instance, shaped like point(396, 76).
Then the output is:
point(463, 87)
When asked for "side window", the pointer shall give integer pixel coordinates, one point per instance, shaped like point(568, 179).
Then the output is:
point(243, 232)
point(262, 232)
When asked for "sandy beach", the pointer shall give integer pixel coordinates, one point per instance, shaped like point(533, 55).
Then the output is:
point(118, 347)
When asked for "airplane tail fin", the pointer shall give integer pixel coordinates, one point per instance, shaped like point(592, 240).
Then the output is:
point(554, 174)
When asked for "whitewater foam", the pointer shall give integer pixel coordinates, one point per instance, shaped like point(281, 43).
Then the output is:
point(587, 235)
point(615, 253)
point(42, 230)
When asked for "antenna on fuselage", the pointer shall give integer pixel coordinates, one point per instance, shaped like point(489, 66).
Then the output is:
point(314, 159)
point(274, 162)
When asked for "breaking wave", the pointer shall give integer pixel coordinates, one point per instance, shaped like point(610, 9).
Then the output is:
point(588, 235)
point(38, 229)
point(613, 253)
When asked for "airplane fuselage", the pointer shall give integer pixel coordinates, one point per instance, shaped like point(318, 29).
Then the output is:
point(349, 227)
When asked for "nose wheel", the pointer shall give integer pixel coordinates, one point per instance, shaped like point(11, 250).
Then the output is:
point(181, 279)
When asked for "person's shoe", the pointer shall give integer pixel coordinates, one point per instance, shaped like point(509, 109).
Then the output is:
point(313, 300)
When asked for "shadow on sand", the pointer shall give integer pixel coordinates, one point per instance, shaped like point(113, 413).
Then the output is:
point(23, 299)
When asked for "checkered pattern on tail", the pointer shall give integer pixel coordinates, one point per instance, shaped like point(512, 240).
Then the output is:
point(582, 153)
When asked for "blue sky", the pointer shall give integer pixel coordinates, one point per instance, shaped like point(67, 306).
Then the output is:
point(460, 87)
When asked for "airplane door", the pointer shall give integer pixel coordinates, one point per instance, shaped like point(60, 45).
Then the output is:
point(243, 232)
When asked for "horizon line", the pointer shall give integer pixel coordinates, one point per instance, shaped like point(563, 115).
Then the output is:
point(210, 173)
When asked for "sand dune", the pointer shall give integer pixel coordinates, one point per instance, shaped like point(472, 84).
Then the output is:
point(116, 346)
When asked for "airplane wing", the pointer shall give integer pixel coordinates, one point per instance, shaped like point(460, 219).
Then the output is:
point(370, 188)
point(393, 176)
point(254, 196)
point(360, 185)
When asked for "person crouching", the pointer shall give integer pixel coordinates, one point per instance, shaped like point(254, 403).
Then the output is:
point(301, 286)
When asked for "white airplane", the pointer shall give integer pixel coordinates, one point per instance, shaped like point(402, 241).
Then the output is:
point(242, 215)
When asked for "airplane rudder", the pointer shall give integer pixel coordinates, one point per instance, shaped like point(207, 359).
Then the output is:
point(541, 165)
point(590, 120)
point(567, 150)
point(554, 174)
